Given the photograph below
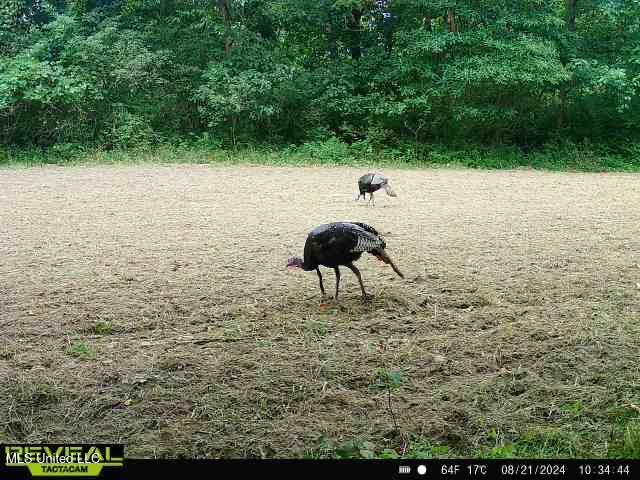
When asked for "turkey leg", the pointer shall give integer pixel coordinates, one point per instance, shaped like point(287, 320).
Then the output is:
point(356, 272)
point(321, 285)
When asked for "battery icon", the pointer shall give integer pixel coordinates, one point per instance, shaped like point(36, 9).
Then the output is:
point(404, 469)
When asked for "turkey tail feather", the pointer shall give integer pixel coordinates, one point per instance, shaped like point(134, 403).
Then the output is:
point(382, 255)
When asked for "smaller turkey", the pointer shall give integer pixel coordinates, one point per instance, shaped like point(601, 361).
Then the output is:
point(341, 243)
point(372, 182)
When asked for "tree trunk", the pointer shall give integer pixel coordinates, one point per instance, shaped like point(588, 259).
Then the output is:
point(562, 114)
point(451, 20)
point(388, 46)
point(167, 7)
point(331, 39)
point(354, 26)
point(572, 10)
point(234, 122)
point(225, 10)
point(387, 28)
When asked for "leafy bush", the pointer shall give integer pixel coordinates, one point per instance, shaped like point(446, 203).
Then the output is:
point(482, 74)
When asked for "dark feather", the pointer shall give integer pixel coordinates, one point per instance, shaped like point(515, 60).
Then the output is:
point(342, 243)
point(372, 182)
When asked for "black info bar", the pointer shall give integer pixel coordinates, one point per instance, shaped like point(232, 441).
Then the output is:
point(397, 469)
point(102, 461)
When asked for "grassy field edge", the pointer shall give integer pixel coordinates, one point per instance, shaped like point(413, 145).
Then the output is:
point(567, 157)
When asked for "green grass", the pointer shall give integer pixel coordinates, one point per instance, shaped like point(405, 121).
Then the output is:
point(572, 157)
point(619, 440)
point(80, 350)
point(101, 328)
point(629, 445)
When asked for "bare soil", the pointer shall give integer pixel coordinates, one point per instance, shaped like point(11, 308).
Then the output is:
point(150, 305)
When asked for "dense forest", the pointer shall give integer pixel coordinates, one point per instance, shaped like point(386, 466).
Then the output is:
point(121, 73)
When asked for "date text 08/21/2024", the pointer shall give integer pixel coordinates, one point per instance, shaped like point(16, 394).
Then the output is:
point(551, 469)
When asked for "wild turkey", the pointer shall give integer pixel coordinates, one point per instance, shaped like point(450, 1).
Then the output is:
point(372, 182)
point(341, 243)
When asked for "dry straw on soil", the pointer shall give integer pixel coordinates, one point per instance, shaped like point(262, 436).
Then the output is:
point(151, 305)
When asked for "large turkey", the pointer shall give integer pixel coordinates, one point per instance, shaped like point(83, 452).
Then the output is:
point(341, 243)
point(372, 182)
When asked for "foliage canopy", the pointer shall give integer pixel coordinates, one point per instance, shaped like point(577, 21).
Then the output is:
point(129, 72)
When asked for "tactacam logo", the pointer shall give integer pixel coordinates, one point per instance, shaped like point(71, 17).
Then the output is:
point(64, 460)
